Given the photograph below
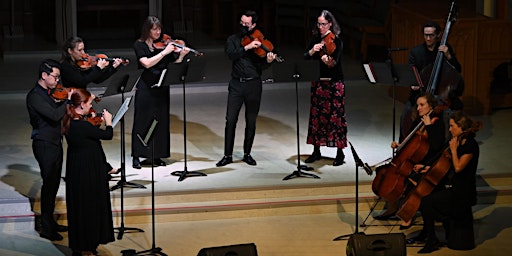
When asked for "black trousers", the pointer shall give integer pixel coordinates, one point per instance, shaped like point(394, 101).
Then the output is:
point(49, 157)
point(242, 93)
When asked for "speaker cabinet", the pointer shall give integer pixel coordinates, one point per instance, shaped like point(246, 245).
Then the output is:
point(230, 250)
point(392, 244)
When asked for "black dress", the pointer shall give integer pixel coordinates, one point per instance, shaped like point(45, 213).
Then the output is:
point(87, 192)
point(151, 103)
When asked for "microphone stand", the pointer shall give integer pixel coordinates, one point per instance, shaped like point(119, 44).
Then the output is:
point(367, 168)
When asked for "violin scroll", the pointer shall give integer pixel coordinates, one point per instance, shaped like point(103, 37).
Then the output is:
point(179, 44)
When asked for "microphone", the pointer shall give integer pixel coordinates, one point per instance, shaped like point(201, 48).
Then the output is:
point(397, 49)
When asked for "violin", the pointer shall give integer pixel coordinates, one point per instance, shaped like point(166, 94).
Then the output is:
point(60, 93)
point(180, 44)
point(266, 45)
point(329, 45)
point(87, 61)
point(94, 117)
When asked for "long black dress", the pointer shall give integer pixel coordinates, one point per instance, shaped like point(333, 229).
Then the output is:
point(151, 103)
point(87, 193)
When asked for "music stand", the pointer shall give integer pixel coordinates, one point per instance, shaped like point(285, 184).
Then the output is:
point(154, 250)
point(179, 73)
point(119, 85)
point(358, 163)
point(301, 70)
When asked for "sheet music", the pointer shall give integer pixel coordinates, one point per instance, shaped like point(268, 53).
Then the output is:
point(122, 110)
point(160, 80)
point(369, 73)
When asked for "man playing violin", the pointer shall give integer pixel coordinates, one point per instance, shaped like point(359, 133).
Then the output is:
point(74, 75)
point(245, 87)
point(45, 117)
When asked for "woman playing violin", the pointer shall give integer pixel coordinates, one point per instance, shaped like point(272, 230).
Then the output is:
point(434, 129)
point(87, 192)
point(454, 202)
point(73, 75)
point(151, 99)
point(327, 123)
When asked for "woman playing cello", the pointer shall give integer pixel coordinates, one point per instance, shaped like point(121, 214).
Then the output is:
point(434, 129)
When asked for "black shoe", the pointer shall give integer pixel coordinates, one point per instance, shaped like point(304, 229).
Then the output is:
point(136, 163)
point(432, 245)
point(404, 227)
point(340, 158)
point(249, 160)
point(118, 171)
point(385, 216)
point(159, 162)
point(148, 162)
point(61, 228)
point(313, 157)
point(419, 239)
point(53, 237)
point(225, 160)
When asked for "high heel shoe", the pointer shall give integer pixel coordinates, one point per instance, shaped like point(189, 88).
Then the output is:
point(407, 226)
point(385, 216)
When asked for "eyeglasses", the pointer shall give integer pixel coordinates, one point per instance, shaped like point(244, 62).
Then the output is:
point(247, 24)
point(57, 77)
point(429, 35)
point(320, 24)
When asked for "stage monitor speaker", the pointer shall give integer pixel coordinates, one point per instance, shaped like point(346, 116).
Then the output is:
point(230, 250)
point(392, 244)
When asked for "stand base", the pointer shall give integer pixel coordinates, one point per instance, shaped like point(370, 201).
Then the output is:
point(298, 173)
point(183, 174)
point(126, 185)
point(124, 229)
point(152, 251)
point(343, 237)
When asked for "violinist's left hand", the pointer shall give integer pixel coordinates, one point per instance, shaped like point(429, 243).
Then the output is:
point(271, 57)
point(117, 62)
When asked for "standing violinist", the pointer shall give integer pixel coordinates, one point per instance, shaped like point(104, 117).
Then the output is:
point(455, 202)
point(152, 101)
point(76, 76)
point(327, 123)
point(432, 127)
point(245, 86)
point(423, 57)
point(45, 117)
point(87, 193)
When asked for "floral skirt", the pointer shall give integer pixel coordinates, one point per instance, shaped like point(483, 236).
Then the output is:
point(327, 123)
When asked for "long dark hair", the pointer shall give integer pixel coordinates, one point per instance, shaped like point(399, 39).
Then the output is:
point(69, 44)
point(469, 126)
point(335, 28)
point(147, 26)
point(79, 95)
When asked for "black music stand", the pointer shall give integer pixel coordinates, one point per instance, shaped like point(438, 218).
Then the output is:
point(302, 70)
point(358, 163)
point(179, 73)
point(119, 85)
point(154, 250)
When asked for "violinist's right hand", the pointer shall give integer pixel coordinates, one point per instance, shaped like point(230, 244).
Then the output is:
point(107, 116)
point(252, 45)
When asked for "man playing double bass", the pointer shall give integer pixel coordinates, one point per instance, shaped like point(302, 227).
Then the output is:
point(423, 57)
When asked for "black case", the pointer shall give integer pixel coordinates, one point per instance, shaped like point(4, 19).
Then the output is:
point(230, 250)
point(392, 244)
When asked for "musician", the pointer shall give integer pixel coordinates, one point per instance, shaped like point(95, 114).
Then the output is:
point(87, 192)
point(422, 57)
point(245, 87)
point(151, 100)
point(461, 194)
point(73, 75)
point(327, 123)
point(45, 118)
point(434, 128)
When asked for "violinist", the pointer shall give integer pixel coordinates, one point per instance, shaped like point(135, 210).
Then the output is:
point(454, 202)
point(152, 102)
point(76, 76)
point(89, 212)
point(245, 86)
point(327, 122)
point(45, 118)
point(422, 57)
point(430, 115)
